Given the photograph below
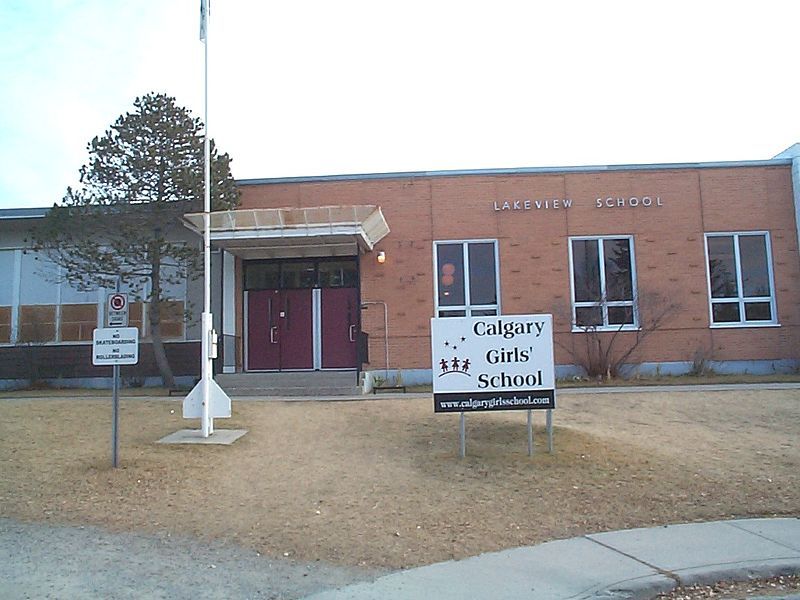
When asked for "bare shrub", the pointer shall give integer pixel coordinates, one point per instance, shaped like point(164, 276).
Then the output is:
point(599, 350)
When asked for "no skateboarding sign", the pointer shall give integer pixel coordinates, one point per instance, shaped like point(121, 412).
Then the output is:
point(117, 310)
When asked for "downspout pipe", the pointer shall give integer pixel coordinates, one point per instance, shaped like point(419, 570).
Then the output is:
point(366, 303)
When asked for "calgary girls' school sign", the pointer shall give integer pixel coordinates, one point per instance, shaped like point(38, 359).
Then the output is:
point(493, 363)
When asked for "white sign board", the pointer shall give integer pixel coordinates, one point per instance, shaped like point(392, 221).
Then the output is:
point(115, 346)
point(493, 363)
point(117, 310)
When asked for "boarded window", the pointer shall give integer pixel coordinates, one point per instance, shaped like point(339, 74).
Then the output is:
point(77, 322)
point(5, 324)
point(37, 324)
point(135, 316)
point(172, 319)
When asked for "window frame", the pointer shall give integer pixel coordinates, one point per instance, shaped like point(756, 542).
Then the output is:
point(467, 307)
point(16, 306)
point(604, 304)
point(740, 298)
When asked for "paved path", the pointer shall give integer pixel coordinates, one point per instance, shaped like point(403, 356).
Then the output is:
point(636, 563)
point(44, 561)
point(39, 560)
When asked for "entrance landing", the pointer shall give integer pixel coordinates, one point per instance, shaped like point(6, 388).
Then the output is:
point(290, 384)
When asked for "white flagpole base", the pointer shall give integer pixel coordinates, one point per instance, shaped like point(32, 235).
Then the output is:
point(219, 405)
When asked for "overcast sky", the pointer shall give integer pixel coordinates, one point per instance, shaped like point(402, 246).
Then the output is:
point(317, 88)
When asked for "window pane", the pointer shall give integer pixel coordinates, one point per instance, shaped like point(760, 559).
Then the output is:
point(722, 267)
point(7, 269)
point(725, 312)
point(755, 272)
point(301, 274)
point(484, 312)
point(617, 259)
point(173, 281)
point(482, 276)
point(71, 295)
point(452, 313)
point(450, 274)
point(338, 273)
point(262, 276)
point(620, 315)
point(39, 283)
point(586, 270)
point(587, 316)
point(757, 311)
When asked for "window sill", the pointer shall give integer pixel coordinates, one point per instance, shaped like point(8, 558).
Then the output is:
point(607, 329)
point(147, 340)
point(742, 325)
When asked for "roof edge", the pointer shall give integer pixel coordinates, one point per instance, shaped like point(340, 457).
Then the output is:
point(23, 213)
point(774, 162)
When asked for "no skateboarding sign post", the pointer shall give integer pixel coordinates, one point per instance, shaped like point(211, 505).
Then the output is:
point(494, 363)
point(115, 346)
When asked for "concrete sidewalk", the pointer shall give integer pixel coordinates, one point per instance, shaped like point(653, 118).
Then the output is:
point(610, 389)
point(636, 563)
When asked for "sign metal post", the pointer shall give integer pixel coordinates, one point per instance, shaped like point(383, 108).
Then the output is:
point(115, 346)
point(115, 421)
point(462, 448)
point(530, 433)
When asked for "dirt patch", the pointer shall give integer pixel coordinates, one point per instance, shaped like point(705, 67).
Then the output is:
point(736, 590)
point(379, 482)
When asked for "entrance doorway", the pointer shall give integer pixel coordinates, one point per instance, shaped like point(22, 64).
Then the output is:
point(302, 314)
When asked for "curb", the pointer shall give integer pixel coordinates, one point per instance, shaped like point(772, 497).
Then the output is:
point(633, 564)
point(649, 587)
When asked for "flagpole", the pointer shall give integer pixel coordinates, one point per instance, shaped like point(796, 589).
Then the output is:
point(207, 425)
point(207, 399)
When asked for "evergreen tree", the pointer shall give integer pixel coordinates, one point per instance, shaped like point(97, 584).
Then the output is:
point(143, 174)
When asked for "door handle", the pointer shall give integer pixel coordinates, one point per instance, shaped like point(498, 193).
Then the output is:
point(270, 321)
point(352, 333)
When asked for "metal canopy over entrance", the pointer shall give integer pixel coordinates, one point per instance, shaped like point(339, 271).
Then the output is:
point(294, 232)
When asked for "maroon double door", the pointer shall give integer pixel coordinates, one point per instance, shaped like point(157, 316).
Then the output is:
point(302, 329)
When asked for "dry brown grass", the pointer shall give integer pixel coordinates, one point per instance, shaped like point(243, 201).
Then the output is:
point(379, 482)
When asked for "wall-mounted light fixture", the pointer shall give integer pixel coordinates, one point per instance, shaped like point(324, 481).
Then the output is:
point(381, 257)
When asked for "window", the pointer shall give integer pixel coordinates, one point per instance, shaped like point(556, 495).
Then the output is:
point(603, 282)
point(740, 279)
point(466, 279)
point(312, 273)
point(6, 294)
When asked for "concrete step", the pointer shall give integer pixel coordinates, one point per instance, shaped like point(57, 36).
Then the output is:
point(290, 384)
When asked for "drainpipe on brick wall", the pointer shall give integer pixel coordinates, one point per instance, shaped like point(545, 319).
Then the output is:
point(796, 194)
point(385, 331)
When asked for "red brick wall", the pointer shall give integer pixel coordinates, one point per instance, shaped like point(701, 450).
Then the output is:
point(533, 246)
